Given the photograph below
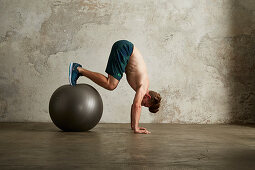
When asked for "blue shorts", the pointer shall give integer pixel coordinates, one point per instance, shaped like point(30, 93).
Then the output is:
point(119, 57)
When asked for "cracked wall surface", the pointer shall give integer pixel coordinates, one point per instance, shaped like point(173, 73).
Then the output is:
point(200, 56)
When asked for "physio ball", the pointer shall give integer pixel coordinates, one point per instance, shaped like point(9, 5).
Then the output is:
point(76, 108)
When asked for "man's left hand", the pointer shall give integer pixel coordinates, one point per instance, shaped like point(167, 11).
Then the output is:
point(140, 128)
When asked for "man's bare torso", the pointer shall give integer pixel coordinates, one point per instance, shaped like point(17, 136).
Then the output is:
point(136, 71)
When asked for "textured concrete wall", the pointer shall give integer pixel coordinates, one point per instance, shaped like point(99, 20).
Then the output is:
point(200, 55)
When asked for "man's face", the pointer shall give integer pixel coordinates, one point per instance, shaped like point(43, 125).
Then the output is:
point(146, 100)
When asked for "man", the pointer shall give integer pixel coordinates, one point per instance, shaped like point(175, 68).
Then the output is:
point(124, 57)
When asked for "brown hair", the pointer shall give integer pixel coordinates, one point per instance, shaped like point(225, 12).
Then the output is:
point(155, 101)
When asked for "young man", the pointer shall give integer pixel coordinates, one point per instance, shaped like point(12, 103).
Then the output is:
point(124, 57)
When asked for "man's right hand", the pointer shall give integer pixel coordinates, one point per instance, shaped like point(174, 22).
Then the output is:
point(141, 130)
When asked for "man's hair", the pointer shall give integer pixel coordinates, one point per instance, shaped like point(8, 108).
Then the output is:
point(155, 101)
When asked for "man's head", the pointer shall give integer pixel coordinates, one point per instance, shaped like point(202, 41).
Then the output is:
point(152, 101)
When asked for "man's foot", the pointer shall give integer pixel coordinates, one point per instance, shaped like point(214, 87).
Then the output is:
point(73, 73)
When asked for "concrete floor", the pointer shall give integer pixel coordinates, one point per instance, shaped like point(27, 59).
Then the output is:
point(114, 146)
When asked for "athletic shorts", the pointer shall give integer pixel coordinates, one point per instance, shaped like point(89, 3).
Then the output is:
point(119, 57)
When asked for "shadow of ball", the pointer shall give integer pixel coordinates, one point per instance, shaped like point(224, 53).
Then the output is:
point(76, 108)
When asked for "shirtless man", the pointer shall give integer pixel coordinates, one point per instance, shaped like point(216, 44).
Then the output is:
point(124, 57)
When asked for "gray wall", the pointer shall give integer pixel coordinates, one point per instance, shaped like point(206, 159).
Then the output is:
point(200, 56)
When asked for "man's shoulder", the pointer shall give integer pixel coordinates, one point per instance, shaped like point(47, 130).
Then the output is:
point(142, 88)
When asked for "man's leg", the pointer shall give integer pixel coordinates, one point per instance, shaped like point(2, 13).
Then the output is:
point(109, 83)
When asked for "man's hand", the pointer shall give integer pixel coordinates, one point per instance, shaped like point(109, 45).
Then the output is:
point(141, 130)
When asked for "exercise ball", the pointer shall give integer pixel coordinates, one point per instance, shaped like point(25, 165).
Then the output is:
point(76, 108)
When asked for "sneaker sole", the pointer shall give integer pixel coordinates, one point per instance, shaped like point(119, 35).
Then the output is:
point(70, 72)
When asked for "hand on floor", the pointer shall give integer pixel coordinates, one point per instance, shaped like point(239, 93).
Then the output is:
point(141, 130)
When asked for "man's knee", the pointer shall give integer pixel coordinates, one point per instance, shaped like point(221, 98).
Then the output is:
point(111, 86)
point(112, 83)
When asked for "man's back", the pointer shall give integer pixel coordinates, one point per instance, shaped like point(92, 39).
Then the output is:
point(136, 71)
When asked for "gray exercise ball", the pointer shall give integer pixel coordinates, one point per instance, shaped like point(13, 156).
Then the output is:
point(76, 108)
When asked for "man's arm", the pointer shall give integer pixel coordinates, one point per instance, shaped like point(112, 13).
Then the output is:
point(136, 112)
point(131, 119)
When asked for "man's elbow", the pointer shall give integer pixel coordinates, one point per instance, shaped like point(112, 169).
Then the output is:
point(136, 106)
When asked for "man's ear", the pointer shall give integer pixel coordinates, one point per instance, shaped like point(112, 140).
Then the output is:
point(148, 96)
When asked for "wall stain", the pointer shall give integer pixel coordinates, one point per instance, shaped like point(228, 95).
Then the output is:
point(9, 90)
point(92, 4)
point(58, 31)
point(3, 108)
point(169, 109)
point(233, 58)
point(7, 36)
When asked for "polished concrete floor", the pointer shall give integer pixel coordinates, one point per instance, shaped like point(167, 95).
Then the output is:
point(115, 146)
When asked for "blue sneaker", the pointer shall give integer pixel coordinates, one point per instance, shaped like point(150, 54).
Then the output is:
point(73, 73)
